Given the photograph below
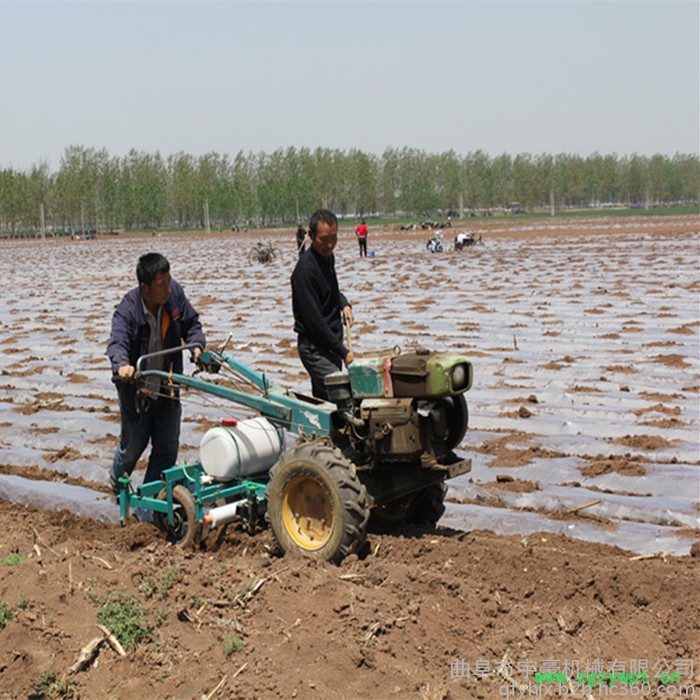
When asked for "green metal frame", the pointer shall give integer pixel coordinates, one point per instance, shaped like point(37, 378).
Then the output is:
point(300, 414)
point(191, 475)
point(284, 409)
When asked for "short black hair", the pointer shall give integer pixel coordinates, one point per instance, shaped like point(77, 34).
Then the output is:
point(327, 217)
point(150, 265)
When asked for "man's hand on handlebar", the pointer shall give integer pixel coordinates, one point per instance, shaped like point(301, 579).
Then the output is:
point(212, 365)
point(126, 373)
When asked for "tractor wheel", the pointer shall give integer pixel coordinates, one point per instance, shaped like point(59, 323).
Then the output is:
point(423, 508)
point(392, 513)
point(316, 504)
point(185, 530)
point(457, 414)
point(428, 506)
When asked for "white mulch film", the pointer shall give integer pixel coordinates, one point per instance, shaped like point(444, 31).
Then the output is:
point(602, 330)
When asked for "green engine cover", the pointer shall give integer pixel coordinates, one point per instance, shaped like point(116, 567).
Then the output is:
point(448, 374)
point(410, 375)
point(370, 376)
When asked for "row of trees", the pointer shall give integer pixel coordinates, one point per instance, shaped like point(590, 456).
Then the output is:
point(93, 190)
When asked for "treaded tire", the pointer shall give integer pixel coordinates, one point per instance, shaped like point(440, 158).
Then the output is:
point(316, 505)
point(186, 529)
point(392, 514)
point(457, 419)
point(428, 506)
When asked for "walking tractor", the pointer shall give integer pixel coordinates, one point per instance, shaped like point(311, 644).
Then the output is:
point(383, 444)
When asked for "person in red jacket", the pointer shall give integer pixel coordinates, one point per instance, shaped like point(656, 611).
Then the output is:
point(361, 232)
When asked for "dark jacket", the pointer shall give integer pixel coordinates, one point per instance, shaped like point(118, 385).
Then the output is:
point(317, 302)
point(130, 331)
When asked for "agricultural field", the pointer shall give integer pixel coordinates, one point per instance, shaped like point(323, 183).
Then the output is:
point(575, 536)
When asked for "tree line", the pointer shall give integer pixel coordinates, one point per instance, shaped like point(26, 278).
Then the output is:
point(92, 190)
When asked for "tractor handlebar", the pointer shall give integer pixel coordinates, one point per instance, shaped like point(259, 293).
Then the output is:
point(161, 353)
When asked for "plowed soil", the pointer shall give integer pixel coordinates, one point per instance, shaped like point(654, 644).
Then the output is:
point(424, 614)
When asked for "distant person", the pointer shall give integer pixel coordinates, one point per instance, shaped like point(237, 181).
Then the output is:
point(318, 305)
point(301, 238)
point(154, 316)
point(464, 240)
point(435, 244)
point(361, 232)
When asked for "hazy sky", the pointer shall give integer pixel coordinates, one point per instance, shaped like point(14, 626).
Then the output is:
point(197, 76)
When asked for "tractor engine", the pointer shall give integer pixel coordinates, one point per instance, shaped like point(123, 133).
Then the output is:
point(393, 429)
point(404, 408)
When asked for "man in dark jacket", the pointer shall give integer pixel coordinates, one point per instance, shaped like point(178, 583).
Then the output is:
point(154, 316)
point(318, 305)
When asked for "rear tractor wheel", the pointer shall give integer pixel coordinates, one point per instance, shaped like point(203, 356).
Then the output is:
point(422, 508)
point(316, 505)
point(428, 505)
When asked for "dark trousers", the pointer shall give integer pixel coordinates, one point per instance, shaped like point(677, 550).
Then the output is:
point(363, 246)
point(318, 363)
point(157, 421)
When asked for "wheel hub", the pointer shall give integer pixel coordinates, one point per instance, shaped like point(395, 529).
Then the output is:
point(306, 513)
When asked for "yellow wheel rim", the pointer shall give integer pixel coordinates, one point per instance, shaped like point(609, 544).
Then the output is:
point(307, 513)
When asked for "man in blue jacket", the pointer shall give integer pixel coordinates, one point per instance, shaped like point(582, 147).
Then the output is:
point(318, 305)
point(154, 316)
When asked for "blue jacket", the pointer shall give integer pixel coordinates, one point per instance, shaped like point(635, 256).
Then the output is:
point(130, 331)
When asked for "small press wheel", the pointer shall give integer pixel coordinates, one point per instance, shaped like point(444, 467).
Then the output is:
point(185, 529)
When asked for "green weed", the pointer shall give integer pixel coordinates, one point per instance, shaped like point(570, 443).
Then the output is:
point(6, 615)
point(44, 681)
point(149, 587)
point(161, 616)
point(171, 577)
point(95, 598)
point(49, 685)
point(12, 560)
point(123, 616)
point(233, 644)
point(163, 587)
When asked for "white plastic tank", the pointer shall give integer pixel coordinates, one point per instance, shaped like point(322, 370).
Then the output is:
point(240, 448)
